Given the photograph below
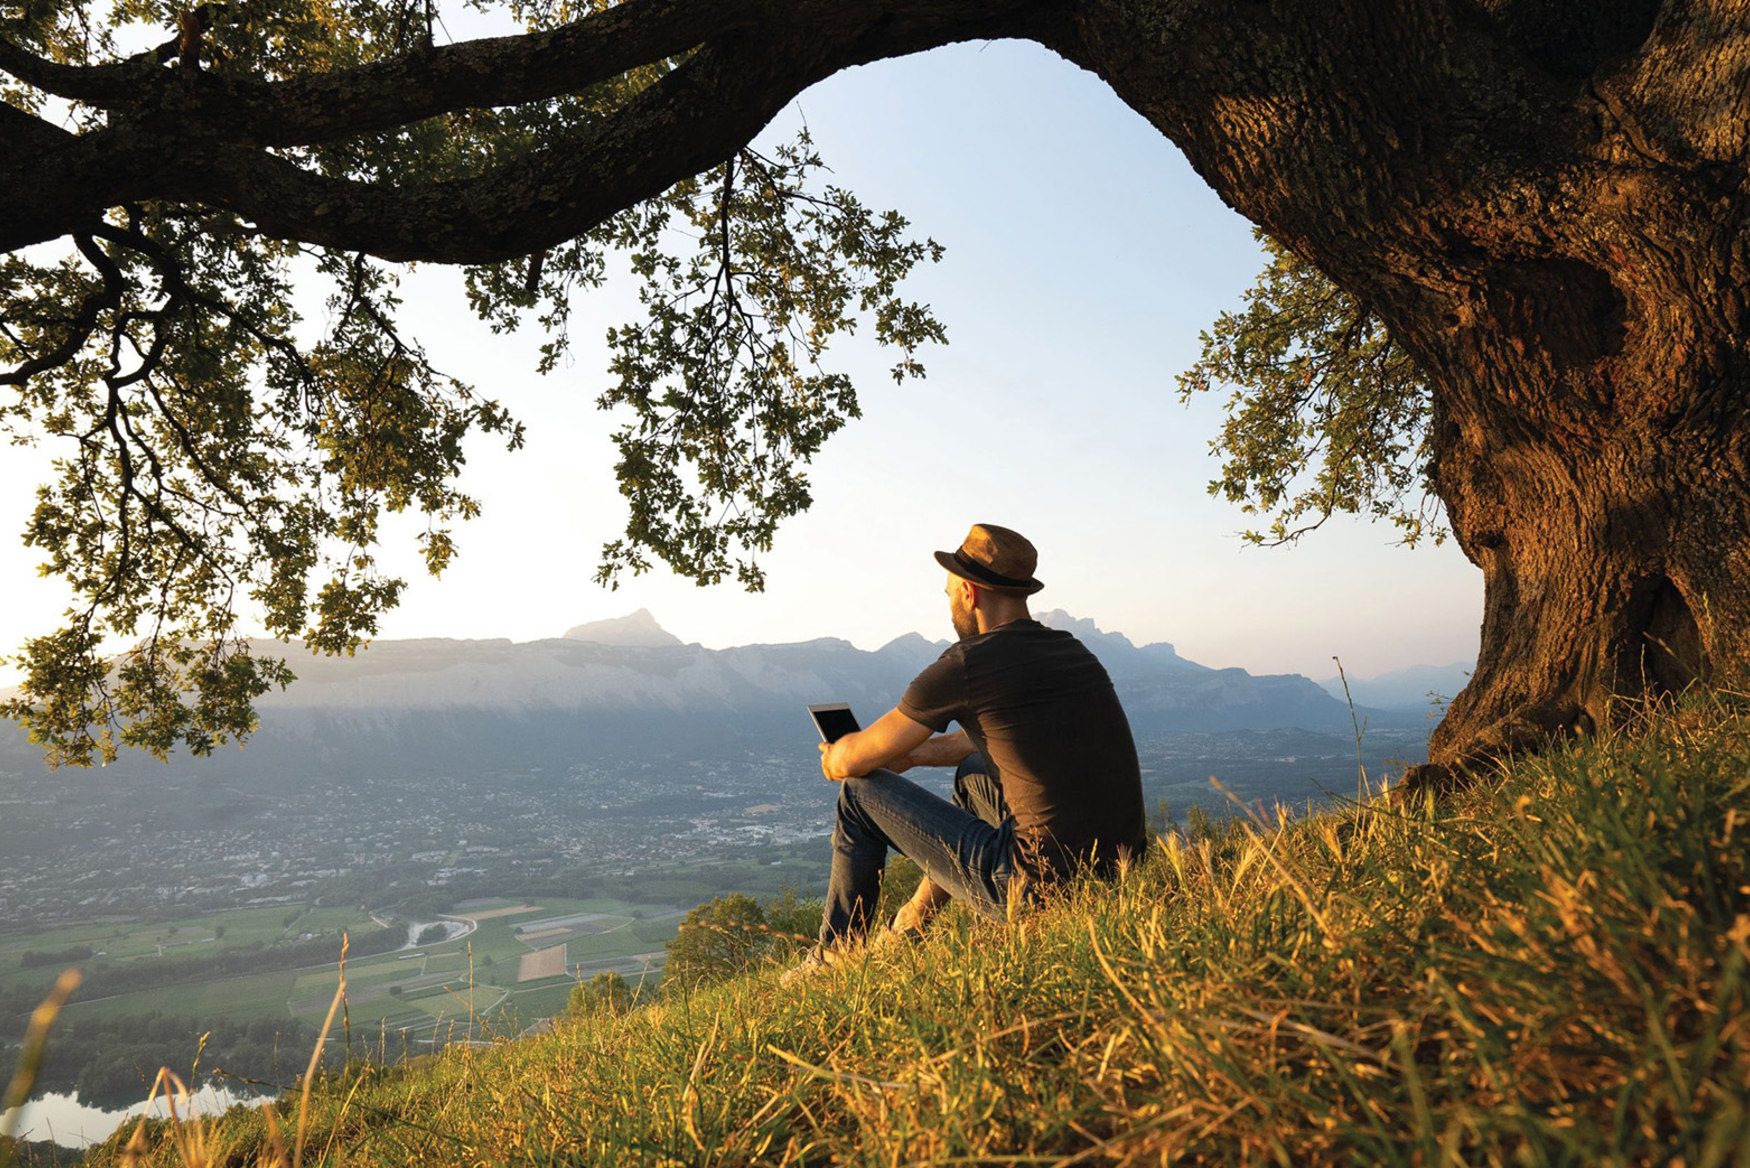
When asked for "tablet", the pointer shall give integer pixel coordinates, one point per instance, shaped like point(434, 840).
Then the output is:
point(834, 720)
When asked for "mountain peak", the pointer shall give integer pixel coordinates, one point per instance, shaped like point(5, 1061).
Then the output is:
point(912, 645)
point(1118, 652)
point(1083, 628)
point(634, 630)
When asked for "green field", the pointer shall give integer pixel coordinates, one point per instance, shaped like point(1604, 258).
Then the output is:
point(524, 1007)
point(446, 962)
point(121, 941)
point(420, 991)
point(359, 975)
point(235, 998)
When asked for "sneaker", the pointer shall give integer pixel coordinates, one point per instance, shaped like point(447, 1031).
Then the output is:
point(820, 958)
point(813, 962)
point(894, 939)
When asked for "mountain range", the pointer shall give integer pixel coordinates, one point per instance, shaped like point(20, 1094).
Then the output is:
point(626, 686)
point(1418, 687)
point(633, 666)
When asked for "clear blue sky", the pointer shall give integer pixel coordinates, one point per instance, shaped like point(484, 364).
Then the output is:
point(1083, 258)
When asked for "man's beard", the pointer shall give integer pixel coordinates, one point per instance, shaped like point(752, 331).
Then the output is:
point(965, 623)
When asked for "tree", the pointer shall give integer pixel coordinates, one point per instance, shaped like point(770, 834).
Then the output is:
point(216, 456)
point(793, 923)
point(1542, 203)
point(605, 993)
point(716, 941)
point(1163, 822)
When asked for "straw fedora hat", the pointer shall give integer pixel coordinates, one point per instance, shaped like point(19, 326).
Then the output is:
point(995, 558)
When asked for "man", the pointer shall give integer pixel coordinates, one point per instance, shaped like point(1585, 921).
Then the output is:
point(1047, 782)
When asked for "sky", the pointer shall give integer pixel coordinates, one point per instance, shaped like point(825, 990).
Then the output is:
point(1083, 258)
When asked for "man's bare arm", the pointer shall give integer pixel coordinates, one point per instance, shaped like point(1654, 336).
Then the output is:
point(891, 739)
point(944, 750)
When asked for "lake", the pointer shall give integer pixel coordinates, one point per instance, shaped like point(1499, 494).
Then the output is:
point(72, 1124)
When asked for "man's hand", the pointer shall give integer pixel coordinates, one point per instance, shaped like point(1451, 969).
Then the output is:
point(890, 740)
point(898, 766)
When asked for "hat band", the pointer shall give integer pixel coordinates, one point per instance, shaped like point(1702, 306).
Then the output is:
point(983, 575)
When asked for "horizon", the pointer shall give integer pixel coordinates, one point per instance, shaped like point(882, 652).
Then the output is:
point(872, 647)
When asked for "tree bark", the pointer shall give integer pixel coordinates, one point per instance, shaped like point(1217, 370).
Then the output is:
point(1557, 230)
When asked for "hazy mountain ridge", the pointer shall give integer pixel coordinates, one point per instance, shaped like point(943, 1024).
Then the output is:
point(1413, 688)
point(637, 628)
point(1161, 690)
point(569, 674)
point(1121, 656)
point(432, 705)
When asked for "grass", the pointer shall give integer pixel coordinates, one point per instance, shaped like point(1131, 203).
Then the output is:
point(1550, 969)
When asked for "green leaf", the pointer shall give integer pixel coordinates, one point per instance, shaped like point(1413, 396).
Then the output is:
point(1325, 413)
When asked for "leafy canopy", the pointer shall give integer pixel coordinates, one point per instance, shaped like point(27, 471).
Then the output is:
point(222, 457)
point(1325, 412)
point(605, 993)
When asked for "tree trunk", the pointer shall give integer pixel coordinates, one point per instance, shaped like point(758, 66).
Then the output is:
point(1557, 230)
point(1601, 483)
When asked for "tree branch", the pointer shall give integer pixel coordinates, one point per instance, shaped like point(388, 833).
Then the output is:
point(683, 124)
point(91, 309)
point(381, 95)
point(692, 119)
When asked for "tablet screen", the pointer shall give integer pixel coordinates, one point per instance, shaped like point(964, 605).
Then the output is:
point(834, 720)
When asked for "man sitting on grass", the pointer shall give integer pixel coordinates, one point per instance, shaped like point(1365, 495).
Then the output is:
point(1046, 782)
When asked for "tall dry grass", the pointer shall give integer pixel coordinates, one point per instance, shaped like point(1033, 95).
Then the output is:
point(1547, 970)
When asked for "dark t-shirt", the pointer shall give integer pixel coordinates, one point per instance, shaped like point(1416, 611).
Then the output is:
point(1041, 709)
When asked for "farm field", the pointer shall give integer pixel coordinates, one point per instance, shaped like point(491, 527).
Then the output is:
point(411, 994)
point(30, 959)
point(233, 999)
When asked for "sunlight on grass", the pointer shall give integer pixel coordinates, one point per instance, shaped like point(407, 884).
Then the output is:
point(1547, 969)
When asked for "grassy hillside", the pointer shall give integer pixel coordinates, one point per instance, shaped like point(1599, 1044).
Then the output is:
point(1551, 969)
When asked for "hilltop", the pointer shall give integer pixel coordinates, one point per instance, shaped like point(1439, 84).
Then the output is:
point(1550, 968)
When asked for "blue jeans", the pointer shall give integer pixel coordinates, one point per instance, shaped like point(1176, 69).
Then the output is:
point(964, 846)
